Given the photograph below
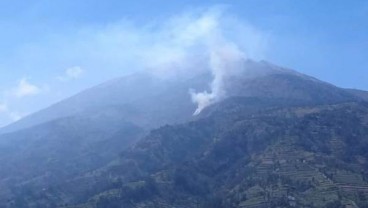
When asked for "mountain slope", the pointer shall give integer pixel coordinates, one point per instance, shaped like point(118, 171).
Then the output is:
point(279, 157)
point(147, 99)
point(93, 127)
point(130, 94)
point(53, 152)
point(269, 81)
point(359, 93)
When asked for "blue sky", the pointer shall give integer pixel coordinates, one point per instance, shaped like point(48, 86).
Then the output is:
point(50, 50)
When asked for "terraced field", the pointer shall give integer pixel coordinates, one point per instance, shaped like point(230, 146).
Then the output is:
point(311, 186)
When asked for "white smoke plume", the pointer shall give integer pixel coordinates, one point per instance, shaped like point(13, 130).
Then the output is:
point(207, 40)
point(223, 54)
point(224, 60)
point(193, 42)
point(176, 48)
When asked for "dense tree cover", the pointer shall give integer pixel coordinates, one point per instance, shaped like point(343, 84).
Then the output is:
point(277, 157)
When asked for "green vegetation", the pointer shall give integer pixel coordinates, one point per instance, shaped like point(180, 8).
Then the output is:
point(279, 157)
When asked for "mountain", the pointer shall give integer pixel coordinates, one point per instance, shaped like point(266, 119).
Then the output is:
point(359, 93)
point(280, 156)
point(87, 131)
point(68, 154)
point(151, 101)
point(138, 97)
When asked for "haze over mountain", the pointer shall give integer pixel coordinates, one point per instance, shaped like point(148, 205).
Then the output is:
point(53, 50)
point(197, 118)
point(69, 152)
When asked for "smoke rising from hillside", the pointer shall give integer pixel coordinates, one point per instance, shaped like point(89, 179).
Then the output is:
point(188, 44)
point(175, 48)
point(193, 43)
point(208, 40)
point(222, 51)
point(224, 60)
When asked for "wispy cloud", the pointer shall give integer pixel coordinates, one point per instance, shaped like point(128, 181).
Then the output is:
point(9, 114)
point(10, 99)
point(3, 108)
point(166, 46)
point(72, 73)
point(25, 88)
